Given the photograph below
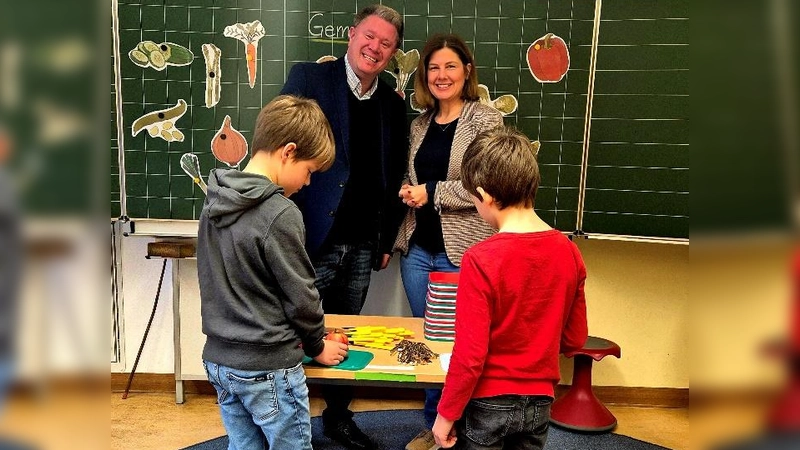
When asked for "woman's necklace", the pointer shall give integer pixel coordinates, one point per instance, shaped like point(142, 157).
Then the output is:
point(445, 127)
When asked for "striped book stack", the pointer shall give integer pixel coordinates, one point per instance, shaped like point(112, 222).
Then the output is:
point(440, 306)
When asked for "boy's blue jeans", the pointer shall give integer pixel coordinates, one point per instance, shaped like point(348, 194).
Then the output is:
point(414, 270)
point(263, 409)
point(505, 421)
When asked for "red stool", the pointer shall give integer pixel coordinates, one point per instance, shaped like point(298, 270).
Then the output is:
point(579, 409)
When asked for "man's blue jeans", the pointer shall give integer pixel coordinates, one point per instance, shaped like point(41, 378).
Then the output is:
point(505, 421)
point(343, 275)
point(263, 407)
point(414, 270)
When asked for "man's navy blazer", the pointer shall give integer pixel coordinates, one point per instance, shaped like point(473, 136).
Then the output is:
point(327, 84)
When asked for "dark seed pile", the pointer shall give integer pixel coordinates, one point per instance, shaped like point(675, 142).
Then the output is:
point(410, 352)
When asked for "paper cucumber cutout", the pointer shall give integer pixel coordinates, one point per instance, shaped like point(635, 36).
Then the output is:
point(159, 56)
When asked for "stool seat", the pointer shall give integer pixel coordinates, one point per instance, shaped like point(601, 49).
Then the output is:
point(579, 409)
point(597, 348)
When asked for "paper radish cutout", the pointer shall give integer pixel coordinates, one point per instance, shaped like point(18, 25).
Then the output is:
point(548, 59)
point(401, 66)
point(249, 33)
point(326, 58)
point(228, 145)
point(159, 56)
point(506, 104)
point(191, 165)
point(212, 55)
point(161, 123)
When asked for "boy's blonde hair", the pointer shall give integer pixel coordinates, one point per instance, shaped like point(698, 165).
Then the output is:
point(288, 118)
point(503, 162)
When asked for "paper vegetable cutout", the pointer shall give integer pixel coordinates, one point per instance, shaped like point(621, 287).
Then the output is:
point(249, 33)
point(414, 105)
point(159, 56)
point(506, 104)
point(401, 66)
point(212, 55)
point(191, 165)
point(326, 58)
point(548, 59)
point(228, 145)
point(161, 123)
point(536, 146)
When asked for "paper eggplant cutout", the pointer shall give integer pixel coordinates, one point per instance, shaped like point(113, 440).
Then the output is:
point(161, 123)
point(159, 56)
point(212, 55)
point(401, 67)
point(191, 165)
point(506, 104)
point(249, 33)
point(228, 145)
point(548, 59)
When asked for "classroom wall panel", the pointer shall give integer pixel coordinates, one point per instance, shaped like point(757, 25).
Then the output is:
point(639, 118)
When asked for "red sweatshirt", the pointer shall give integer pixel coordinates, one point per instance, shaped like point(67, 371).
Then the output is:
point(520, 303)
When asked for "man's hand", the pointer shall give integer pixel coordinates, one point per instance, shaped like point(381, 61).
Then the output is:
point(332, 354)
point(443, 432)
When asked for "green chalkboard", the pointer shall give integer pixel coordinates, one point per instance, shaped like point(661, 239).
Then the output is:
point(499, 32)
point(638, 164)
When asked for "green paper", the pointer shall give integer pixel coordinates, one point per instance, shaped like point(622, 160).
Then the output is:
point(356, 360)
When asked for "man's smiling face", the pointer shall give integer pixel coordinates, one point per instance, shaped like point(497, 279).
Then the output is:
point(372, 43)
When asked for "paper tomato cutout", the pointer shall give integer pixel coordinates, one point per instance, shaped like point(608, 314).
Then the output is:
point(548, 59)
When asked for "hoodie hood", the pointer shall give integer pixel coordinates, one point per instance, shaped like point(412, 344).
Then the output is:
point(232, 192)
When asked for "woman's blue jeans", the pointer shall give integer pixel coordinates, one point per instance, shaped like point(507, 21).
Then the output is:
point(414, 270)
point(263, 408)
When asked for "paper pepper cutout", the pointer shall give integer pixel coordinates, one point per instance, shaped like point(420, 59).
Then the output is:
point(212, 55)
point(159, 56)
point(161, 123)
point(401, 67)
point(228, 145)
point(249, 34)
point(548, 59)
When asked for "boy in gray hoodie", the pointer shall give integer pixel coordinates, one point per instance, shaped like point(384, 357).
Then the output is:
point(259, 307)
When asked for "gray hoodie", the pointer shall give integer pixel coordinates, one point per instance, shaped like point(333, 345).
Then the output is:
point(257, 295)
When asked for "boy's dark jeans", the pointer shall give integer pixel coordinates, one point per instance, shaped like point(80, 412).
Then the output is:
point(504, 422)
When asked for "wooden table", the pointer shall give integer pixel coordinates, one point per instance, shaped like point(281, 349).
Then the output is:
point(383, 370)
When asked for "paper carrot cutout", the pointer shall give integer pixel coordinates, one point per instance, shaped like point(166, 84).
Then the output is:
point(249, 34)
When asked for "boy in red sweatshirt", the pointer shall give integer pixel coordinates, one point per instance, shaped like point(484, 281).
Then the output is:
point(520, 303)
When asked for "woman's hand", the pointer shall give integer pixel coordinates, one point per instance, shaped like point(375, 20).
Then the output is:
point(414, 196)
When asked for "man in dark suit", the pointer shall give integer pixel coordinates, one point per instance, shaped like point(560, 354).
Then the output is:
point(351, 211)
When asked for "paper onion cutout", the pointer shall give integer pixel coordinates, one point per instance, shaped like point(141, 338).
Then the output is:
point(228, 145)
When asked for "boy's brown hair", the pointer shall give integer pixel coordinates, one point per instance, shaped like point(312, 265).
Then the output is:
point(422, 93)
point(502, 161)
point(289, 118)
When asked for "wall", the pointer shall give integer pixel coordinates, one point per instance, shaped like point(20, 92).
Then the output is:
point(637, 295)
